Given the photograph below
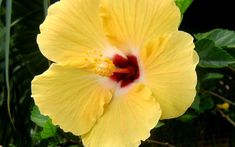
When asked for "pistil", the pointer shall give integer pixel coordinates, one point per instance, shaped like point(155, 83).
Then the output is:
point(127, 70)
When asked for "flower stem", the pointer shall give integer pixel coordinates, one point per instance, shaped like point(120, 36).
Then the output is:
point(226, 117)
point(219, 96)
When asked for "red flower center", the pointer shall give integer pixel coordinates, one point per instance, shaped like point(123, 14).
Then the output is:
point(127, 69)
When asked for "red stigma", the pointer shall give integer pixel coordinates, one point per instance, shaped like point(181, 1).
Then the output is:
point(127, 69)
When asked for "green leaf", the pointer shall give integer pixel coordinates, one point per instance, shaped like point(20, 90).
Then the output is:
point(186, 117)
point(183, 5)
point(159, 124)
point(206, 102)
point(38, 118)
point(12, 145)
point(222, 38)
point(196, 104)
point(49, 130)
point(45, 6)
point(2, 34)
point(212, 76)
point(0, 3)
point(7, 56)
point(212, 56)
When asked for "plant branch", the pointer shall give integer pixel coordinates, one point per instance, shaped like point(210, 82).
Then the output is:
point(231, 68)
point(219, 96)
point(226, 117)
point(159, 143)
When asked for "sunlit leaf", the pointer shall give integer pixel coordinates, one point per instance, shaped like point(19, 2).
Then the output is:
point(2, 33)
point(49, 130)
point(183, 5)
point(38, 118)
point(212, 56)
point(222, 38)
point(45, 6)
point(212, 76)
point(159, 124)
point(7, 56)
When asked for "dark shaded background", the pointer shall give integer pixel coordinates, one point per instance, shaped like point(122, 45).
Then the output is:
point(205, 15)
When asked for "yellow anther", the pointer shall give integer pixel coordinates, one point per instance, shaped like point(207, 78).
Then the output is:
point(224, 106)
point(99, 64)
point(104, 67)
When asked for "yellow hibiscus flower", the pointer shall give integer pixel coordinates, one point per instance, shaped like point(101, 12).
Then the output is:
point(119, 66)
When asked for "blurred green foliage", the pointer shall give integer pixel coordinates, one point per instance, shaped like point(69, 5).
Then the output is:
point(21, 123)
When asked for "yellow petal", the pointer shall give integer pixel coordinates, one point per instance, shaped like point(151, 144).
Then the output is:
point(72, 98)
point(127, 119)
point(130, 23)
point(169, 70)
point(71, 28)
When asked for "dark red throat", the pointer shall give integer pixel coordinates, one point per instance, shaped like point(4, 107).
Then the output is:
point(127, 69)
